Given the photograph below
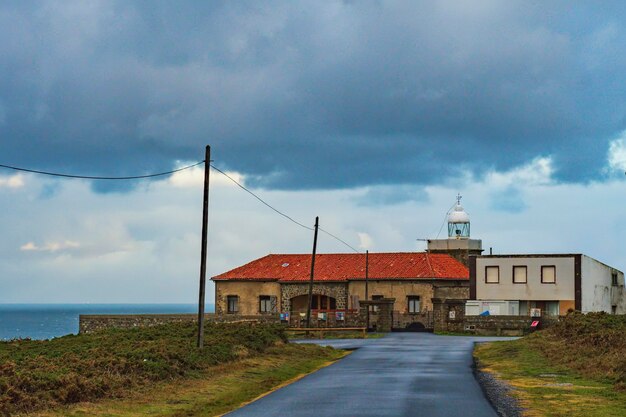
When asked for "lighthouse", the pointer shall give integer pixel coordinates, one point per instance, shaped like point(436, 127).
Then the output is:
point(458, 221)
point(459, 244)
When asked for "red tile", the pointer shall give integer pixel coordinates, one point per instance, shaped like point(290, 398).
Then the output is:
point(342, 267)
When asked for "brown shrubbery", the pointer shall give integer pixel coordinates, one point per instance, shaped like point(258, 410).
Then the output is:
point(43, 374)
point(593, 344)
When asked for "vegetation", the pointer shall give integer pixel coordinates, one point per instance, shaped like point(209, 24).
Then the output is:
point(575, 368)
point(218, 390)
point(37, 375)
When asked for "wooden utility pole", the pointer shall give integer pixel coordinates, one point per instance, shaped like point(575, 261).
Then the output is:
point(367, 264)
point(205, 221)
point(308, 310)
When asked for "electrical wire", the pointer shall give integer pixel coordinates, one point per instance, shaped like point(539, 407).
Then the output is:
point(444, 220)
point(89, 177)
point(259, 198)
point(278, 211)
point(340, 240)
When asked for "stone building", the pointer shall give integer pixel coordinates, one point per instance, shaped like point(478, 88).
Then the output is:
point(279, 283)
point(423, 285)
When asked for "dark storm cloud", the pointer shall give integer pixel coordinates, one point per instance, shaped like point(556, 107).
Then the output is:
point(312, 95)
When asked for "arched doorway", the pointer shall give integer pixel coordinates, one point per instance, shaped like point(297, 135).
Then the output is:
point(319, 303)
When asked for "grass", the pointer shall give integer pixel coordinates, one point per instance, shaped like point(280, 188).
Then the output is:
point(217, 390)
point(575, 368)
point(37, 375)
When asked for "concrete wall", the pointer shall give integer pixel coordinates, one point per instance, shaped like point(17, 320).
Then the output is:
point(248, 293)
point(460, 249)
point(534, 289)
point(598, 291)
point(400, 290)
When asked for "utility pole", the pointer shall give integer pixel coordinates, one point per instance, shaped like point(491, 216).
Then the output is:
point(367, 264)
point(308, 310)
point(205, 221)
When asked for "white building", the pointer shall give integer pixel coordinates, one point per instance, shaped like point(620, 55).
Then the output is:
point(548, 284)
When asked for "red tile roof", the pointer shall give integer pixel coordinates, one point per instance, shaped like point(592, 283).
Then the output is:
point(343, 267)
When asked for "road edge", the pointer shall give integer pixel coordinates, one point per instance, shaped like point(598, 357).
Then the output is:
point(498, 392)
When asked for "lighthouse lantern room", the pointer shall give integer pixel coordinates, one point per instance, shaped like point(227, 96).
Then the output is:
point(458, 222)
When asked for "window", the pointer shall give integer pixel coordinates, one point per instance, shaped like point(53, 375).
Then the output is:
point(548, 274)
point(265, 304)
point(520, 274)
point(414, 303)
point(374, 298)
point(614, 279)
point(233, 303)
point(492, 274)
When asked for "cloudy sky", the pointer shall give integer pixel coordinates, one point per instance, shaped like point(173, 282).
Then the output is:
point(370, 114)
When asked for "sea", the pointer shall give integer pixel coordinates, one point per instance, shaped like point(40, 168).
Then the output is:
point(47, 321)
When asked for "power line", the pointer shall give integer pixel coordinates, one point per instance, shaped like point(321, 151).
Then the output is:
point(340, 240)
point(278, 211)
point(89, 177)
point(444, 220)
point(259, 198)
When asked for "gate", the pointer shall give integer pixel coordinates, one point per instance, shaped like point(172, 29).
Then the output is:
point(413, 322)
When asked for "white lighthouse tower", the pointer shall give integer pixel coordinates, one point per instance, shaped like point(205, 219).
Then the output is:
point(458, 244)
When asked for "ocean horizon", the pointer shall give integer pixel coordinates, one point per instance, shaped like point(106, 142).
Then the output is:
point(46, 321)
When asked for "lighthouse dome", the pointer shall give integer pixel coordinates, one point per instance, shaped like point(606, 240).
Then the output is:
point(458, 215)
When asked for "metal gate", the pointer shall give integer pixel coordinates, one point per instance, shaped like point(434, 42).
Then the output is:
point(413, 322)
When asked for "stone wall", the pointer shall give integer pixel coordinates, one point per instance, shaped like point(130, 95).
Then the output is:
point(498, 325)
point(98, 322)
point(448, 315)
point(449, 307)
point(384, 319)
point(351, 319)
point(339, 291)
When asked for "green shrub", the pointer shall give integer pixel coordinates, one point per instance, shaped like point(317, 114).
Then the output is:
point(593, 344)
point(70, 369)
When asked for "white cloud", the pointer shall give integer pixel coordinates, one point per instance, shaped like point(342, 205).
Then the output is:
point(194, 178)
point(14, 181)
point(50, 246)
point(365, 240)
point(617, 153)
point(537, 172)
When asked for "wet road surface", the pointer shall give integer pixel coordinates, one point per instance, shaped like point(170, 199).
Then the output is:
point(403, 374)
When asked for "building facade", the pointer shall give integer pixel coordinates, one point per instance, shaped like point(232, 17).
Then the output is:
point(280, 284)
point(547, 284)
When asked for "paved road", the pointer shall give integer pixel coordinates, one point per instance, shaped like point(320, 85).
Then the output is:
point(403, 374)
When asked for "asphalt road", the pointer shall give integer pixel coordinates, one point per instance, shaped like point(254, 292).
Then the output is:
point(403, 374)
